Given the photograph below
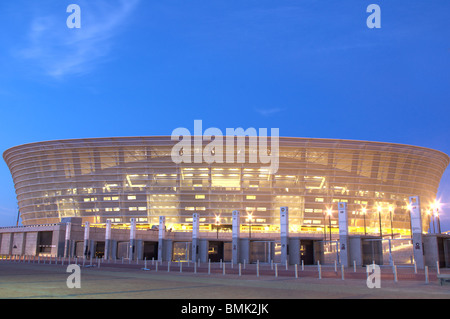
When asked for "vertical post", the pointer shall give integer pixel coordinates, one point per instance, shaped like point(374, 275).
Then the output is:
point(416, 225)
point(236, 225)
point(395, 274)
point(437, 268)
point(86, 240)
point(343, 233)
point(132, 249)
point(276, 270)
point(319, 268)
point(257, 268)
point(426, 274)
point(342, 271)
point(108, 240)
point(296, 271)
point(67, 239)
point(195, 231)
point(240, 271)
point(284, 233)
point(161, 237)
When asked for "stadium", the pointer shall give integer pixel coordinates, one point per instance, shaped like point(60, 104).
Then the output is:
point(116, 179)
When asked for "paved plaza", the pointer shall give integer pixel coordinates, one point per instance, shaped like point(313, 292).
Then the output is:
point(124, 281)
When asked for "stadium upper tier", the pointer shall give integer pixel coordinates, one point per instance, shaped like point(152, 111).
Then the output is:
point(135, 177)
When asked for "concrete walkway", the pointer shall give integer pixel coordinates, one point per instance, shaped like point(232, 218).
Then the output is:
point(22, 280)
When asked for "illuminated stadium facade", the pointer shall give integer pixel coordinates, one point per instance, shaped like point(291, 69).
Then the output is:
point(117, 179)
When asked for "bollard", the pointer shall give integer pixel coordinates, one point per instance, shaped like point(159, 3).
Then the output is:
point(438, 270)
point(220, 266)
point(296, 271)
point(224, 269)
point(168, 266)
point(257, 268)
point(395, 274)
point(98, 263)
point(342, 272)
point(240, 272)
point(271, 265)
point(287, 265)
point(303, 265)
point(335, 266)
point(209, 266)
point(195, 268)
point(426, 274)
point(320, 270)
point(276, 270)
point(244, 263)
point(153, 261)
point(181, 266)
point(415, 267)
point(354, 265)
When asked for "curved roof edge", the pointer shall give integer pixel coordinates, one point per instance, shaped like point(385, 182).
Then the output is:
point(281, 137)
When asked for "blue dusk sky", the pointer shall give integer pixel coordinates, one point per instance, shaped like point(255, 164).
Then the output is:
point(311, 68)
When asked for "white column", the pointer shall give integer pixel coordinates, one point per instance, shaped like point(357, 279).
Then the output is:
point(284, 233)
point(132, 251)
point(195, 233)
point(67, 240)
point(343, 233)
point(416, 226)
point(87, 247)
point(161, 236)
point(108, 240)
point(236, 225)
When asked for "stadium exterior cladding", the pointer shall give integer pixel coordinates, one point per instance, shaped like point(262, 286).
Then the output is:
point(135, 177)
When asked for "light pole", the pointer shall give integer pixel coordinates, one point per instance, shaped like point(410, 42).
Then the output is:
point(364, 210)
point(436, 214)
point(329, 211)
point(409, 207)
point(249, 225)
point(217, 225)
point(390, 216)
point(429, 212)
point(379, 219)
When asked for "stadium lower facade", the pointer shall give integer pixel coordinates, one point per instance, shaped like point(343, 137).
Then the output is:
point(116, 179)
